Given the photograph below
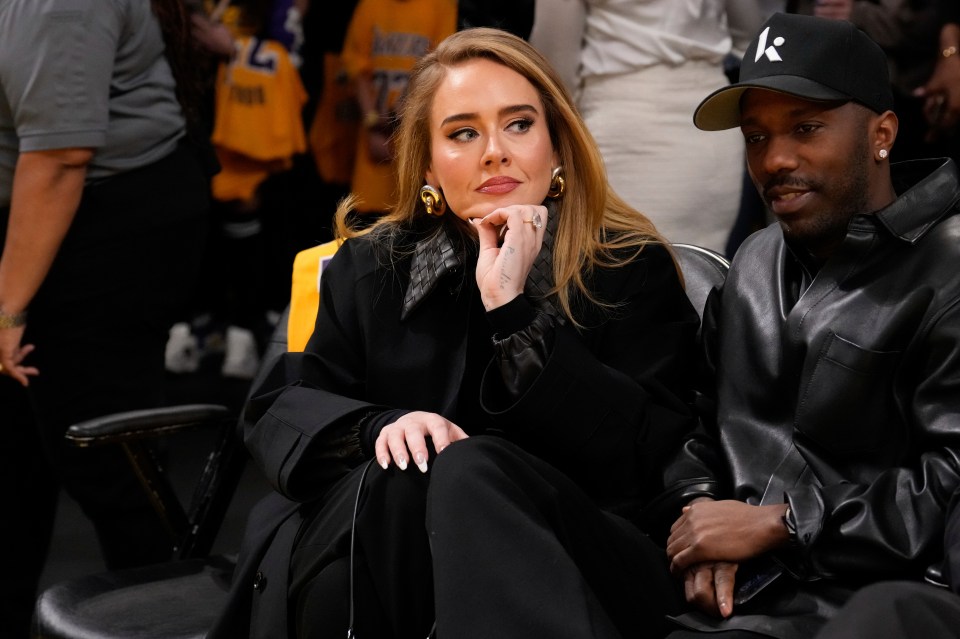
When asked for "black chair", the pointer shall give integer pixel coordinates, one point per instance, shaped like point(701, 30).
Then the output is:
point(175, 600)
point(703, 270)
point(181, 599)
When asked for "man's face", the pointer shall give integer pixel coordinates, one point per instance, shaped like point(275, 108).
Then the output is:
point(810, 161)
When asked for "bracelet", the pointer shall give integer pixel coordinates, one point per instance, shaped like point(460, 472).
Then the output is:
point(950, 51)
point(14, 320)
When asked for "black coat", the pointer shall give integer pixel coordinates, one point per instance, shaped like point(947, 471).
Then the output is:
point(609, 402)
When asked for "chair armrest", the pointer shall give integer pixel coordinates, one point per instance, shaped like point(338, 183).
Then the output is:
point(139, 424)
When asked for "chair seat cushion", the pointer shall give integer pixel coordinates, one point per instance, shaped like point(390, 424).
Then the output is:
point(177, 600)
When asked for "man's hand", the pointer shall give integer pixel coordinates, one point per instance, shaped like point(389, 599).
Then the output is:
point(709, 587)
point(728, 530)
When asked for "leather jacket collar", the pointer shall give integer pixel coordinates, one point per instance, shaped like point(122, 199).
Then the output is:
point(439, 254)
point(927, 190)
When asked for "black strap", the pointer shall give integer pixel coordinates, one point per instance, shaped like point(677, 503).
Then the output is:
point(353, 531)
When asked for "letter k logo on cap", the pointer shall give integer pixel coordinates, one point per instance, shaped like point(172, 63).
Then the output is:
point(771, 51)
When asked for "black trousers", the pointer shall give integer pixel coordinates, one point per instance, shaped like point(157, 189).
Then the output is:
point(100, 322)
point(897, 610)
point(493, 542)
point(393, 578)
point(29, 508)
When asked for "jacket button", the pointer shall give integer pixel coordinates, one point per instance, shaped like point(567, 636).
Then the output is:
point(259, 581)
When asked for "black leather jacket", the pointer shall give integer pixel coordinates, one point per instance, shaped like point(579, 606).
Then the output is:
point(839, 392)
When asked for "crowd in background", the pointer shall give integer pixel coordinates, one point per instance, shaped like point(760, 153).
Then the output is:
point(637, 70)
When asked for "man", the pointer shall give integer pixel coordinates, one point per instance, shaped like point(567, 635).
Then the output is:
point(835, 345)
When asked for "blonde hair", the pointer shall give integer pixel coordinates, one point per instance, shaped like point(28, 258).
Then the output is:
point(595, 227)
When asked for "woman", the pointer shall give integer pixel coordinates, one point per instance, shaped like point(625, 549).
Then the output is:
point(512, 328)
point(102, 217)
point(643, 69)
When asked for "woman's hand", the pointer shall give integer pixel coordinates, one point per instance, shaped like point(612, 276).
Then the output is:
point(12, 354)
point(406, 439)
point(941, 93)
point(502, 269)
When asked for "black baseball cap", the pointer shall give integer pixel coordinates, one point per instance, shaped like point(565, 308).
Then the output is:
point(805, 56)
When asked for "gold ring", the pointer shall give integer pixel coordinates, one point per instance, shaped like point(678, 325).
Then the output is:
point(535, 221)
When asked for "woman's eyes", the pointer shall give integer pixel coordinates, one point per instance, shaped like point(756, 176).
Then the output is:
point(463, 135)
point(521, 125)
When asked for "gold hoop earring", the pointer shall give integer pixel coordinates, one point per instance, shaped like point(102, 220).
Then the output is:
point(557, 184)
point(432, 200)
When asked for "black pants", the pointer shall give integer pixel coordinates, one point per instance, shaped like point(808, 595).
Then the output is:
point(897, 610)
point(511, 548)
point(29, 508)
point(100, 322)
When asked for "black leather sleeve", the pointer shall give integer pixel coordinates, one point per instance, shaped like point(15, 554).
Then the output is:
point(522, 354)
point(951, 543)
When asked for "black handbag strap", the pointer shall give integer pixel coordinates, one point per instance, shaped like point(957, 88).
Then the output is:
point(353, 532)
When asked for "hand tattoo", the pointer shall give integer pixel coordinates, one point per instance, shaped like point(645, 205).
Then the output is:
point(504, 277)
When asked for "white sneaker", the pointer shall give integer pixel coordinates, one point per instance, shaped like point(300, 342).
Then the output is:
point(182, 354)
point(241, 359)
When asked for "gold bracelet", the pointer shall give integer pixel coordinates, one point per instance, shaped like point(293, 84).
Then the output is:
point(949, 51)
point(14, 320)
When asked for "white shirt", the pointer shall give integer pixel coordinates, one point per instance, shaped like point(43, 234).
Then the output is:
point(625, 35)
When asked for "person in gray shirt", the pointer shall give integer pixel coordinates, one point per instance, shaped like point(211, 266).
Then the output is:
point(102, 219)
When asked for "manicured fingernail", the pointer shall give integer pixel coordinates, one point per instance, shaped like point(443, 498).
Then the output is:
point(402, 463)
point(384, 462)
point(421, 462)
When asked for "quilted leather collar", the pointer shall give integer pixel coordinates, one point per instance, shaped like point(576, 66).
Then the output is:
point(437, 255)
